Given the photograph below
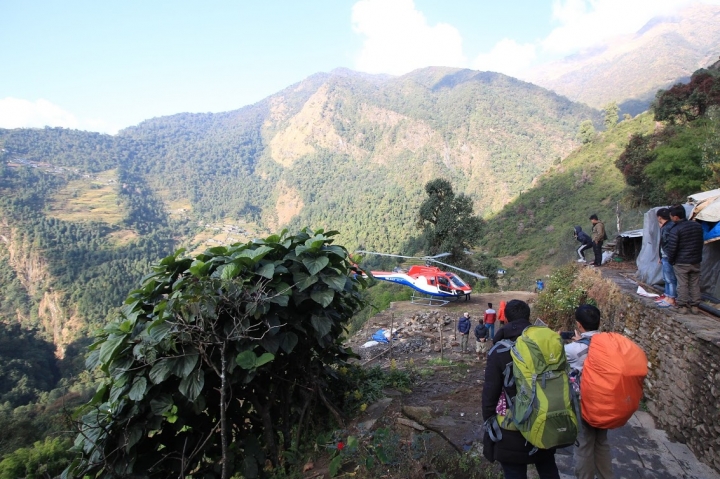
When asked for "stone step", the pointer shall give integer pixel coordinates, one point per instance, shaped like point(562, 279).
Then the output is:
point(639, 450)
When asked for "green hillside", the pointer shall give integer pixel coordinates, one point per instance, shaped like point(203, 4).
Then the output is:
point(534, 232)
point(83, 214)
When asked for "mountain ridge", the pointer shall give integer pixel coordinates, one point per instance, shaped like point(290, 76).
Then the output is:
point(630, 69)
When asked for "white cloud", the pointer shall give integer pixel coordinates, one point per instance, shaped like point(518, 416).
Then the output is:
point(398, 38)
point(584, 23)
point(19, 113)
point(508, 57)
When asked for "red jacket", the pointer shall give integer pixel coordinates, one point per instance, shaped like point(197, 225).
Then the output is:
point(490, 316)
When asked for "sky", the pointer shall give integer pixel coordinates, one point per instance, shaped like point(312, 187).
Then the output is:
point(105, 65)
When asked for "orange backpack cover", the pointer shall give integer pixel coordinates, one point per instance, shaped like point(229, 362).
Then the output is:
point(611, 385)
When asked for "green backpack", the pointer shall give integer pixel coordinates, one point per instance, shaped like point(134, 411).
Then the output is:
point(545, 409)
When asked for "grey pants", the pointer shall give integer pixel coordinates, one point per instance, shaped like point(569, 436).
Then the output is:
point(464, 342)
point(688, 284)
point(592, 456)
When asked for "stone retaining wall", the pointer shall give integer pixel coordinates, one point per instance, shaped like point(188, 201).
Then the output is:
point(682, 389)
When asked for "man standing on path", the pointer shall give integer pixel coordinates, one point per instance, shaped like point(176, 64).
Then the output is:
point(684, 252)
point(668, 273)
point(481, 340)
point(489, 320)
point(464, 330)
point(598, 236)
point(512, 450)
point(592, 454)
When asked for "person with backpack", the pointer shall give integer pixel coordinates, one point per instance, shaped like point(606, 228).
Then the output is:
point(464, 330)
point(610, 371)
point(503, 441)
point(481, 340)
point(592, 454)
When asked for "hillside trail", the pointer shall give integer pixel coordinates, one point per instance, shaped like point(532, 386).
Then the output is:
point(447, 397)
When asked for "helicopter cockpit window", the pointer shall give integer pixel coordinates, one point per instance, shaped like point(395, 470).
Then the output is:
point(442, 280)
point(456, 281)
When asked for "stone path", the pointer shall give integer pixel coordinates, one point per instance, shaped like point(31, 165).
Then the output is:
point(642, 452)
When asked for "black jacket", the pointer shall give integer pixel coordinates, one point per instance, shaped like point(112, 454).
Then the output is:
point(582, 236)
point(512, 448)
point(685, 243)
point(481, 332)
point(664, 235)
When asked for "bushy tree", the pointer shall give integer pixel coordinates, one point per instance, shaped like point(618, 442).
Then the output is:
point(448, 222)
point(216, 361)
point(44, 459)
point(688, 101)
point(586, 132)
point(611, 112)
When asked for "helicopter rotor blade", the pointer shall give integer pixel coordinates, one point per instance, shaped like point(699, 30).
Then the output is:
point(423, 258)
point(478, 276)
point(388, 254)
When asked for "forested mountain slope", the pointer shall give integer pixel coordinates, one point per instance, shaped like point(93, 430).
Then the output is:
point(352, 151)
point(83, 214)
point(535, 231)
point(630, 69)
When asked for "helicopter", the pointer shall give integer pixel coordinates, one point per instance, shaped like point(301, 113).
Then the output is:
point(435, 286)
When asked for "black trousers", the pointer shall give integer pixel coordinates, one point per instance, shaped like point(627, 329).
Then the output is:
point(597, 250)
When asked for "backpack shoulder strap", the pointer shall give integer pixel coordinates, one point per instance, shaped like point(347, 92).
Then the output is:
point(502, 346)
point(586, 342)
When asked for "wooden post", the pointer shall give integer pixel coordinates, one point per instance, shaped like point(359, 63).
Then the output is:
point(440, 326)
point(392, 321)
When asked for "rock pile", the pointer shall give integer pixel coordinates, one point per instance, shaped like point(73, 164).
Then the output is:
point(418, 333)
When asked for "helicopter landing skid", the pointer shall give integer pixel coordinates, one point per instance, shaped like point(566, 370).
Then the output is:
point(427, 300)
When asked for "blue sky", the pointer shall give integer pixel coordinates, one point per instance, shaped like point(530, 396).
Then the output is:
point(105, 65)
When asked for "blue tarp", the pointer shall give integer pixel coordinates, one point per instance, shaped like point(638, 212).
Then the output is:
point(711, 231)
point(379, 336)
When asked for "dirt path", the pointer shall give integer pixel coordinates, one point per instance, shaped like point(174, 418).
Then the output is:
point(449, 390)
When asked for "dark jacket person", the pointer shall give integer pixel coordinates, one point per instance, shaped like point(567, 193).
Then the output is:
point(684, 252)
point(512, 451)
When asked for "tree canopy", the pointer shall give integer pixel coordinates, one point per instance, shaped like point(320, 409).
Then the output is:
point(448, 222)
point(682, 157)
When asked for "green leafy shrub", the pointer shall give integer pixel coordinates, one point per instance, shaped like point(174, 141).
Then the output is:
point(44, 459)
point(557, 303)
point(216, 361)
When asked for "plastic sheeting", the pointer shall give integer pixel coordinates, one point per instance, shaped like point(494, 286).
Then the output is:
point(707, 205)
point(710, 269)
point(649, 270)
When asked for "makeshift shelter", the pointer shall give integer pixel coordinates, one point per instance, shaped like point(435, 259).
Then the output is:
point(707, 213)
point(702, 207)
point(628, 244)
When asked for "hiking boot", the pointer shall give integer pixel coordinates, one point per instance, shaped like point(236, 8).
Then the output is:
point(694, 310)
point(581, 261)
point(681, 310)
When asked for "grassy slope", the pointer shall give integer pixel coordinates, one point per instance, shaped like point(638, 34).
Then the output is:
point(536, 228)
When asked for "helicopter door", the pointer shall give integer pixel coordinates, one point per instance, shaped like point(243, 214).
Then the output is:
point(443, 284)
